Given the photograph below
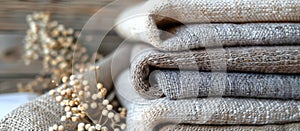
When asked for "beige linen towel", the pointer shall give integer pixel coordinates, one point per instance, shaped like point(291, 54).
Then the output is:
point(152, 20)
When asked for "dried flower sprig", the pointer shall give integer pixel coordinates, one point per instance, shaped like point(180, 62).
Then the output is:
point(54, 45)
point(76, 98)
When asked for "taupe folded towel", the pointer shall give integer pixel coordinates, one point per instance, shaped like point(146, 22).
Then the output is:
point(211, 113)
point(155, 21)
point(275, 60)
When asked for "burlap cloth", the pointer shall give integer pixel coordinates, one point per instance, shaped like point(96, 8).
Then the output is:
point(154, 22)
point(212, 113)
point(38, 114)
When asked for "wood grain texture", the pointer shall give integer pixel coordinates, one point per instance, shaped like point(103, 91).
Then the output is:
point(71, 13)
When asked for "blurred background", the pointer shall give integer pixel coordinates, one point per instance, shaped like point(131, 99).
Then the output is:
point(13, 26)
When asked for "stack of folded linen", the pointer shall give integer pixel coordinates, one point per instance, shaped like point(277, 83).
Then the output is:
point(214, 65)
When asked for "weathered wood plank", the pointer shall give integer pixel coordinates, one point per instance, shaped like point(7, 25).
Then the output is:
point(10, 85)
point(73, 13)
point(11, 50)
point(11, 62)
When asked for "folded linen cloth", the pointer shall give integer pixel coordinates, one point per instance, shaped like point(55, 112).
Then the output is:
point(195, 36)
point(152, 20)
point(193, 84)
point(205, 113)
point(146, 67)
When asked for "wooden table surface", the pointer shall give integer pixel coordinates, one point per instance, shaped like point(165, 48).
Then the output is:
point(71, 13)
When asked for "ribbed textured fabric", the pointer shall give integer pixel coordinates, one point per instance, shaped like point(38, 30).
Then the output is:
point(267, 59)
point(193, 84)
point(147, 22)
point(205, 113)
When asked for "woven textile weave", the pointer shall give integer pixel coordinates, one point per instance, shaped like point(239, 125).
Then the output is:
point(38, 114)
point(266, 59)
point(147, 21)
point(195, 36)
point(193, 84)
point(212, 113)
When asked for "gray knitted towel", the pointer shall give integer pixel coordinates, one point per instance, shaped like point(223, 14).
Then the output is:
point(178, 83)
point(211, 113)
point(154, 22)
